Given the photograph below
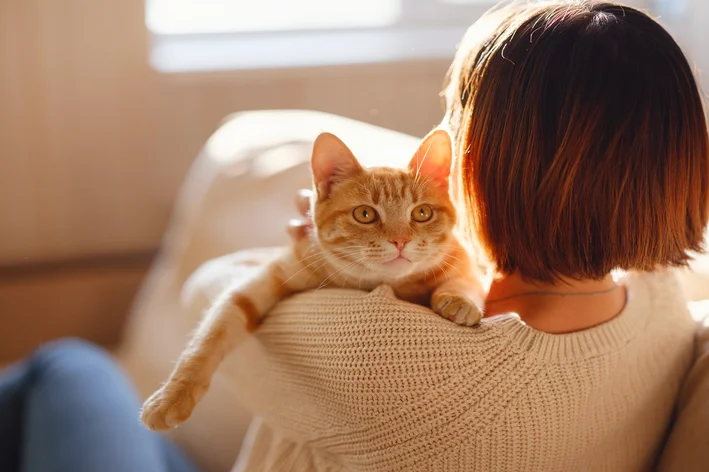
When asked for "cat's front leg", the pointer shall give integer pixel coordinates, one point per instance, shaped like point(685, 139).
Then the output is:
point(228, 321)
point(220, 331)
point(458, 300)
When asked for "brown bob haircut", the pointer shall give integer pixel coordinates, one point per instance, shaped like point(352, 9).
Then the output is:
point(581, 141)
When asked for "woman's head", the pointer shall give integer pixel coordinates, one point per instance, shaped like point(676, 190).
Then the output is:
point(581, 140)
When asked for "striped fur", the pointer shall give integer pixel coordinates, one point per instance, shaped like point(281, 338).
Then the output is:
point(428, 265)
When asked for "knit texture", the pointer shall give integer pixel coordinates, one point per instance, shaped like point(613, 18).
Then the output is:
point(344, 380)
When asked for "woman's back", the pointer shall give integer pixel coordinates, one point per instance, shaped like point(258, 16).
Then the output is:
point(355, 381)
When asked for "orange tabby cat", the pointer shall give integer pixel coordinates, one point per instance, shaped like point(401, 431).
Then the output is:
point(371, 227)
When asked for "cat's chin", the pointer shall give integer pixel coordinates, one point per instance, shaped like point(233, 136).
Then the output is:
point(399, 263)
point(395, 268)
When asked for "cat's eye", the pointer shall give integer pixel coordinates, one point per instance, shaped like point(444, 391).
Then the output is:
point(422, 213)
point(365, 214)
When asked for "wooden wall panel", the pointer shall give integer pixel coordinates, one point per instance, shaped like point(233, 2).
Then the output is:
point(87, 299)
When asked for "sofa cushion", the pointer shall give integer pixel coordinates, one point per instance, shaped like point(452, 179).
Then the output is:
point(687, 447)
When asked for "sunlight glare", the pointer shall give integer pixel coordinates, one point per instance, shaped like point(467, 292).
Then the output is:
point(231, 16)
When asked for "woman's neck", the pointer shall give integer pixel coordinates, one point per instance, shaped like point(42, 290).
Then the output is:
point(562, 307)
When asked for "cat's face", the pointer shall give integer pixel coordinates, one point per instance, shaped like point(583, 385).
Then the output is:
point(383, 223)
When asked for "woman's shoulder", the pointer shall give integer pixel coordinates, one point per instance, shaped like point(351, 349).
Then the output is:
point(379, 322)
point(381, 313)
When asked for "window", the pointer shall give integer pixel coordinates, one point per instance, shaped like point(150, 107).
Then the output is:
point(203, 35)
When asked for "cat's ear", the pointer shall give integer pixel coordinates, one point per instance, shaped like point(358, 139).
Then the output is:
point(434, 157)
point(332, 162)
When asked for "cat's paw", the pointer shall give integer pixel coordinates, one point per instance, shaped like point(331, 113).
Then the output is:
point(171, 405)
point(457, 308)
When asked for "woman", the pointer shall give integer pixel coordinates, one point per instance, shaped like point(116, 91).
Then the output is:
point(582, 148)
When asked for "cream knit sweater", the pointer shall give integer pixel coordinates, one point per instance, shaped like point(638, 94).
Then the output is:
point(353, 381)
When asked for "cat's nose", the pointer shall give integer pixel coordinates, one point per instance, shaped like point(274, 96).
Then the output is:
point(400, 242)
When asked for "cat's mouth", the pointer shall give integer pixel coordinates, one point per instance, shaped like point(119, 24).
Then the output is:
point(398, 260)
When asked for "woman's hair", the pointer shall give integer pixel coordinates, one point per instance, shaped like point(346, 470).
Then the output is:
point(581, 140)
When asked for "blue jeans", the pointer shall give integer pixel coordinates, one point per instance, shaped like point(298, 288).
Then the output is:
point(69, 408)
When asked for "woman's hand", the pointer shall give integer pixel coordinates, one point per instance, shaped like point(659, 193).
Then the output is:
point(298, 228)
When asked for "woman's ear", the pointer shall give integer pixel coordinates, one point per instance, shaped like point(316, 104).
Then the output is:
point(434, 157)
point(332, 162)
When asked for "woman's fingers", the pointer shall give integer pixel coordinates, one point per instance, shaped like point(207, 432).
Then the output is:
point(298, 228)
point(302, 201)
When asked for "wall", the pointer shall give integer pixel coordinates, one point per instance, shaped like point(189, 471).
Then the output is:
point(688, 21)
point(698, 16)
point(94, 144)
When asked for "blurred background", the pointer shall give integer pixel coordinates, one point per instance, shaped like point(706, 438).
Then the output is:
point(105, 103)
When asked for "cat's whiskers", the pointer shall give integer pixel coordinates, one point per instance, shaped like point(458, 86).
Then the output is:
point(310, 248)
point(420, 183)
point(310, 264)
point(451, 256)
point(347, 277)
point(305, 258)
point(333, 275)
point(341, 257)
point(448, 264)
point(354, 249)
point(349, 254)
point(317, 269)
point(437, 249)
point(441, 270)
point(367, 266)
point(334, 257)
point(425, 272)
point(344, 255)
point(420, 165)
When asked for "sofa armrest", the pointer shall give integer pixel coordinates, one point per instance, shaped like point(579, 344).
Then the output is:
point(695, 279)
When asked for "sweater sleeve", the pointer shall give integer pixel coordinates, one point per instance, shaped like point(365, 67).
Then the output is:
point(373, 380)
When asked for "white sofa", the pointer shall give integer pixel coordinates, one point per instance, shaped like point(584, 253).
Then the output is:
point(238, 195)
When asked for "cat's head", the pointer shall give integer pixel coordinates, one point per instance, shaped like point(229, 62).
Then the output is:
point(381, 222)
